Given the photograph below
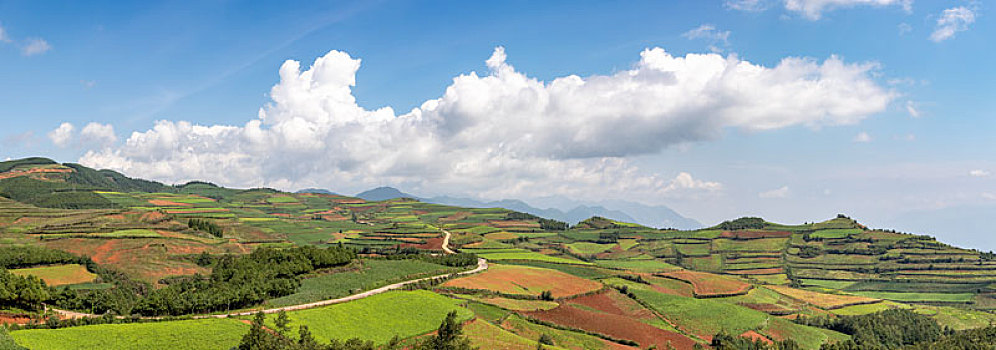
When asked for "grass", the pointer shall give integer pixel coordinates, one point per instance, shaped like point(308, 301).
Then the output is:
point(485, 335)
point(588, 248)
point(193, 334)
point(826, 284)
point(702, 316)
point(379, 317)
point(59, 274)
point(956, 318)
point(647, 266)
point(281, 199)
point(836, 233)
point(522, 254)
point(867, 308)
point(376, 273)
point(823, 300)
point(919, 297)
point(514, 304)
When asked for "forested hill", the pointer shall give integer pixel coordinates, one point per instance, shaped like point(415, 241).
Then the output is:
point(46, 183)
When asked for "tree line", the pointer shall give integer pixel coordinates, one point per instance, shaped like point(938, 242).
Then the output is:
point(206, 226)
point(449, 336)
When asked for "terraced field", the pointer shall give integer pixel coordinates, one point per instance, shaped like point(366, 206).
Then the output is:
point(613, 283)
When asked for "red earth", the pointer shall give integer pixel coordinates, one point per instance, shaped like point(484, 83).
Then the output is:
point(616, 326)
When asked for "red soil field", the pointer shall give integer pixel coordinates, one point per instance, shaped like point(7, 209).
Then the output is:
point(524, 280)
point(675, 288)
point(432, 244)
point(616, 326)
point(755, 234)
point(6, 318)
point(710, 285)
point(612, 302)
point(754, 336)
point(153, 216)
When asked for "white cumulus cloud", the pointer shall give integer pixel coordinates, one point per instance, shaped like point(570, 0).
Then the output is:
point(35, 46)
point(781, 192)
point(503, 134)
point(62, 135)
point(952, 20)
point(98, 134)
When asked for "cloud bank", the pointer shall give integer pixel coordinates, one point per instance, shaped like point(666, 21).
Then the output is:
point(504, 134)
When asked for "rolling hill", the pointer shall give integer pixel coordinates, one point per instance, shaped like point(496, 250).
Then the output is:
point(146, 263)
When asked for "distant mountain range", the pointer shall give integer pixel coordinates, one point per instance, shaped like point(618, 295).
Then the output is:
point(654, 216)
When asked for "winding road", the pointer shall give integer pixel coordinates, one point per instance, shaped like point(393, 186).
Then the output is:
point(482, 265)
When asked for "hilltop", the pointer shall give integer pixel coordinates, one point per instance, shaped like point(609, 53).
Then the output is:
point(104, 243)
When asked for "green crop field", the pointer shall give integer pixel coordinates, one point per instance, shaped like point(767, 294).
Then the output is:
point(700, 315)
point(380, 317)
point(522, 254)
point(647, 266)
point(59, 275)
point(137, 235)
point(210, 334)
point(836, 233)
point(588, 248)
point(919, 297)
point(375, 273)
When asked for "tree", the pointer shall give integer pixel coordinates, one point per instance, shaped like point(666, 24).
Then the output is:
point(282, 322)
point(449, 336)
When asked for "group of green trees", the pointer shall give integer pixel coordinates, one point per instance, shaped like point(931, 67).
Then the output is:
point(453, 260)
point(241, 281)
point(889, 329)
point(726, 341)
point(886, 330)
point(206, 226)
point(742, 224)
point(449, 336)
point(23, 292)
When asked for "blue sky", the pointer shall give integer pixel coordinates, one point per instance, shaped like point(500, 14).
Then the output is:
point(127, 67)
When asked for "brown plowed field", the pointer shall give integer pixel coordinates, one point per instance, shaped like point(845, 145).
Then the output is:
point(710, 285)
point(620, 327)
point(612, 302)
point(755, 336)
point(524, 280)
